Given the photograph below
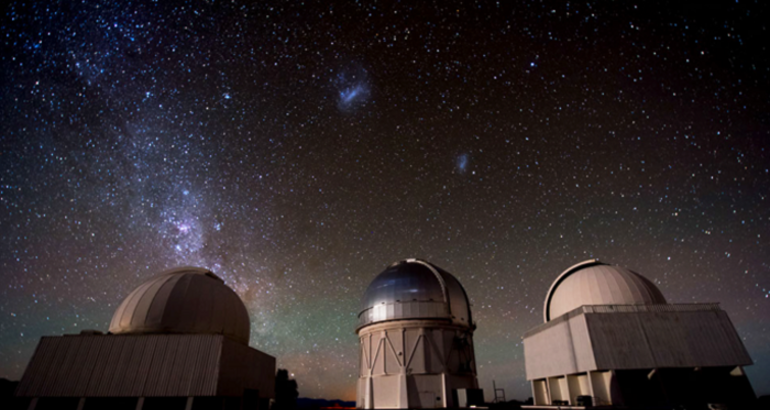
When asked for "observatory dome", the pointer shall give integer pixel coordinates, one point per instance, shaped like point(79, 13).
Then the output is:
point(414, 289)
point(595, 283)
point(183, 300)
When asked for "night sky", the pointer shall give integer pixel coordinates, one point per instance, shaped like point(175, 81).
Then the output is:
point(298, 149)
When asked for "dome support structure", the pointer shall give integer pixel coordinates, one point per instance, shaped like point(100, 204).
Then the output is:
point(416, 340)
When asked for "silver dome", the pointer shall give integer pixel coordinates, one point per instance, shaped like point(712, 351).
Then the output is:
point(595, 283)
point(414, 289)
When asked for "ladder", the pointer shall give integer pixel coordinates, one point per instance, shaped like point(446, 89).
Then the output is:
point(499, 393)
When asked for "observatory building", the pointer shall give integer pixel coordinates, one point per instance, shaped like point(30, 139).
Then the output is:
point(610, 339)
point(416, 333)
point(178, 341)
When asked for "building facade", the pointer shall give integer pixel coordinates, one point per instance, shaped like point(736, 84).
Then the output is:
point(610, 339)
point(416, 340)
point(178, 341)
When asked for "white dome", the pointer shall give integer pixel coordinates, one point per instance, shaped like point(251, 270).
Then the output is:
point(595, 283)
point(183, 300)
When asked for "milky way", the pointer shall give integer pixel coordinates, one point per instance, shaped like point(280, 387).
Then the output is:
point(297, 149)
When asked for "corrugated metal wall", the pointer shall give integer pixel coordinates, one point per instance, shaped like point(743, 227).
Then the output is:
point(242, 367)
point(554, 350)
point(124, 366)
point(628, 337)
point(703, 338)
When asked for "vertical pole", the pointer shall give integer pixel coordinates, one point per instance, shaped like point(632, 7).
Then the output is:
point(81, 403)
point(534, 393)
point(189, 404)
point(140, 403)
point(32, 404)
point(368, 399)
point(569, 391)
point(403, 393)
point(591, 388)
point(384, 342)
point(444, 389)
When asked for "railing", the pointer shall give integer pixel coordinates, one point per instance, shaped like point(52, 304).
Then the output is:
point(683, 307)
point(414, 309)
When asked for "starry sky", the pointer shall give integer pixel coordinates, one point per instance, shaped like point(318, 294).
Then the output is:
point(296, 149)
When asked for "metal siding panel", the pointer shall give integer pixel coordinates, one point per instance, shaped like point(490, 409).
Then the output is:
point(692, 339)
point(581, 344)
point(123, 372)
point(229, 382)
point(705, 345)
point(201, 357)
point(58, 382)
point(27, 378)
point(549, 352)
point(51, 359)
point(166, 357)
point(717, 343)
point(213, 345)
point(154, 382)
point(142, 363)
point(99, 376)
point(56, 353)
point(210, 365)
point(189, 363)
point(619, 341)
point(135, 365)
point(738, 351)
point(244, 367)
point(741, 354)
point(167, 376)
point(36, 368)
point(87, 358)
point(667, 337)
point(176, 371)
point(97, 368)
point(175, 351)
point(171, 368)
point(197, 381)
point(73, 367)
point(641, 337)
point(214, 363)
point(673, 339)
